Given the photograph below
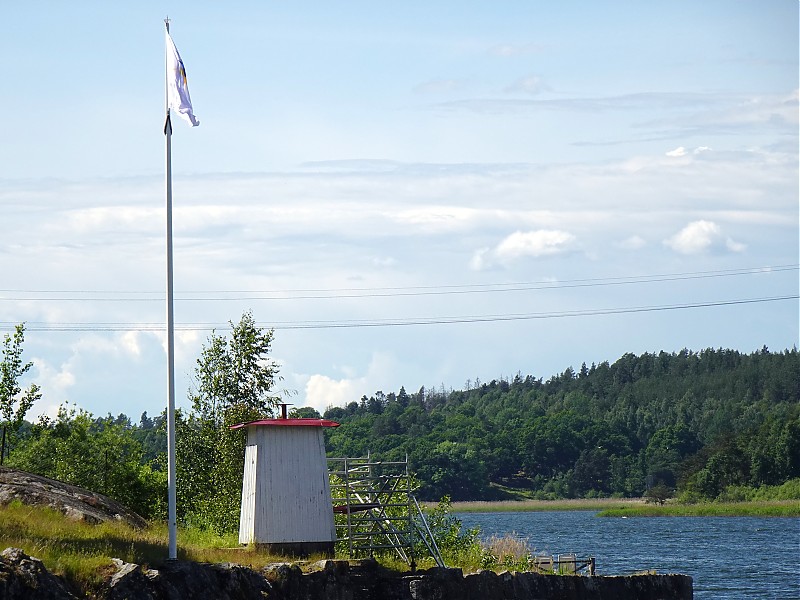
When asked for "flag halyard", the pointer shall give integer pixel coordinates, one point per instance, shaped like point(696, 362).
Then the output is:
point(178, 98)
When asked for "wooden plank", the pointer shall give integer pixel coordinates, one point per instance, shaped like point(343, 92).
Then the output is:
point(247, 512)
point(293, 502)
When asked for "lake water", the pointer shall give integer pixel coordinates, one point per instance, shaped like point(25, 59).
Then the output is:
point(727, 557)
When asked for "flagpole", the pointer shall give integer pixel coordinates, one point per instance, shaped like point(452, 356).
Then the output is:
point(172, 519)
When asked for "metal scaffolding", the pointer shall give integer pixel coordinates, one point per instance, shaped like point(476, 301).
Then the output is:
point(376, 510)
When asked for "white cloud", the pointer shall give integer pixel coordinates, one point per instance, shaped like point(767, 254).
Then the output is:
point(438, 218)
point(111, 218)
point(734, 246)
point(349, 180)
point(522, 244)
point(384, 261)
point(322, 227)
point(682, 151)
point(55, 384)
point(130, 342)
point(322, 391)
point(732, 112)
point(187, 343)
point(696, 237)
point(533, 243)
point(527, 85)
point(481, 259)
point(634, 242)
point(41, 409)
point(126, 344)
point(679, 151)
point(701, 236)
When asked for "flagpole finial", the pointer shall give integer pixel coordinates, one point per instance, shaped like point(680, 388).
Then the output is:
point(166, 22)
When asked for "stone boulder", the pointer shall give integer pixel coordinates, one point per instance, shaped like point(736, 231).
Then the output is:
point(25, 578)
point(71, 500)
point(178, 580)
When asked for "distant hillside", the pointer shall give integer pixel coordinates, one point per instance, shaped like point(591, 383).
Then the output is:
point(716, 423)
point(700, 422)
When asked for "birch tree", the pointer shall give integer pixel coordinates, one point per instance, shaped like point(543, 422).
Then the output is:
point(14, 402)
point(234, 380)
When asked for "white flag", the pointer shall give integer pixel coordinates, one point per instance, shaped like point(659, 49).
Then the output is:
point(177, 89)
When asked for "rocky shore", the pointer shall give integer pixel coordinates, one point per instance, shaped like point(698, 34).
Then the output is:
point(25, 578)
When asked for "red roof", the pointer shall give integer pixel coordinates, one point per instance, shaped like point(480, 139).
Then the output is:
point(289, 423)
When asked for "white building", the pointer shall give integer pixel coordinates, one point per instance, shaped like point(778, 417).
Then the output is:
point(286, 496)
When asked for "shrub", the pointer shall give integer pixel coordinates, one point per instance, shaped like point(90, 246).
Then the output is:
point(658, 494)
point(509, 551)
point(457, 544)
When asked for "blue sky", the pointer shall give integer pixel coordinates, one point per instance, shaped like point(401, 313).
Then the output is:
point(474, 189)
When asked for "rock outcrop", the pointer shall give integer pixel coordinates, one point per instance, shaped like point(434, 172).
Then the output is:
point(73, 501)
point(181, 579)
point(24, 577)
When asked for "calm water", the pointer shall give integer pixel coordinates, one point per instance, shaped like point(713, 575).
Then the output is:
point(727, 557)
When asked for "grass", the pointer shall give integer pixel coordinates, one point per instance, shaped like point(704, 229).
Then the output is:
point(637, 507)
point(509, 551)
point(82, 552)
point(780, 508)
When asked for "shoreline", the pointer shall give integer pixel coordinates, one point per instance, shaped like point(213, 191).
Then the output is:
point(545, 505)
point(636, 507)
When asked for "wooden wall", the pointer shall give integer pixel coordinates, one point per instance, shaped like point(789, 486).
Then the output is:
point(286, 493)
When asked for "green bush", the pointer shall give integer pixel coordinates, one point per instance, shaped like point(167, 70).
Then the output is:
point(98, 454)
point(457, 544)
point(789, 490)
point(689, 496)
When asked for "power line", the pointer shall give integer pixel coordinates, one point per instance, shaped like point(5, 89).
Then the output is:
point(396, 322)
point(349, 293)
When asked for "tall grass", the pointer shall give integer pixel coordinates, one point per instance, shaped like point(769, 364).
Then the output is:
point(509, 551)
point(82, 552)
point(786, 508)
point(764, 501)
point(545, 505)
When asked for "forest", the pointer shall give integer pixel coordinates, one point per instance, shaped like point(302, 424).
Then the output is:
point(700, 425)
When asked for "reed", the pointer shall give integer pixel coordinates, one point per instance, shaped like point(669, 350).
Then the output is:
point(507, 547)
point(783, 508)
point(545, 505)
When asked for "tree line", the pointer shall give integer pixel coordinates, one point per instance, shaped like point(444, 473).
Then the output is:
point(233, 383)
point(695, 423)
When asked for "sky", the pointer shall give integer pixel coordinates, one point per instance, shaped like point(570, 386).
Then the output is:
point(413, 194)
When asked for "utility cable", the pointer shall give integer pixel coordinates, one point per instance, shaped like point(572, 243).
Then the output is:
point(396, 322)
point(393, 292)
